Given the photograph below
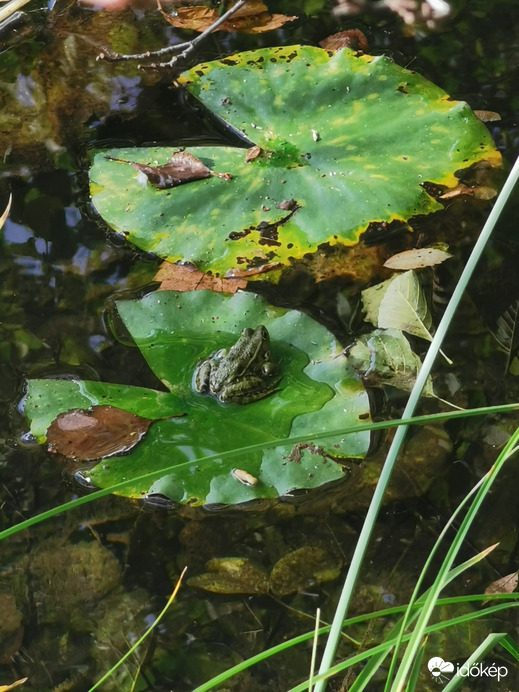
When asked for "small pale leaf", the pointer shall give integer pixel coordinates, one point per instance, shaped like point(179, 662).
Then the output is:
point(417, 259)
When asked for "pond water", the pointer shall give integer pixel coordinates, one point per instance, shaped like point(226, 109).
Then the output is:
point(77, 590)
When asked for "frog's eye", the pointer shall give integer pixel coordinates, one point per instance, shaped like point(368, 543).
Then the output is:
point(269, 368)
point(247, 331)
point(222, 353)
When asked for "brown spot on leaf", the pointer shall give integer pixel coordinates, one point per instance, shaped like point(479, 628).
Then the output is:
point(96, 433)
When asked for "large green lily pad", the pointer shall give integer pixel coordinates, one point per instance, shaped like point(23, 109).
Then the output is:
point(318, 392)
point(350, 139)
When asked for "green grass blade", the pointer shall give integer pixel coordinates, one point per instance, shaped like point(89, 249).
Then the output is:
point(477, 656)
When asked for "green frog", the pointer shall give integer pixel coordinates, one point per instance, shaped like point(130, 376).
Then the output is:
point(242, 374)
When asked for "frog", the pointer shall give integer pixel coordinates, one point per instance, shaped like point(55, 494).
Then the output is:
point(242, 374)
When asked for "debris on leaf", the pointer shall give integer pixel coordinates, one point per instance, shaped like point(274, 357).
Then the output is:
point(253, 18)
point(244, 477)
point(253, 153)
point(417, 258)
point(96, 433)
point(185, 277)
point(182, 168)
point(353, 39)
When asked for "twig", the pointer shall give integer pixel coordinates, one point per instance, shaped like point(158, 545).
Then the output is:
point(186, 48)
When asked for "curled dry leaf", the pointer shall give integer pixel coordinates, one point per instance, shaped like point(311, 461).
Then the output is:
point(417, 258)
point(182, 168)
point(353, 39)
point(99, 432)
point(185, 277)
point(253, 18)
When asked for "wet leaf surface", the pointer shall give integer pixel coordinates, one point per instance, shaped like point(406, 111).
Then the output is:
point(361, 123)
point(95, 433)
point(253, 18)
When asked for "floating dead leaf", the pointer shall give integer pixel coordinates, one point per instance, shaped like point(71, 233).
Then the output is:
point(6, 688)
point(6, 212)
point(96, 433)
point(353, 38)
point(487, 116)
point(506, 584)
point(252, 18)
point(253, 153)
point(478, 192)
point(182, 168)
point(185, 277)
point(417, 258)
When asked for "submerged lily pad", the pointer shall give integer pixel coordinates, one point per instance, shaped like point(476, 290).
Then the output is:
point(318, 392)
point(340, 141)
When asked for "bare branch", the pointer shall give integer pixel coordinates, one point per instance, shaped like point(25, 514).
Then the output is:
point(185, 48)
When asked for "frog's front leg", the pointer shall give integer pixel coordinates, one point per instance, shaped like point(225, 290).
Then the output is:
point(201, 377)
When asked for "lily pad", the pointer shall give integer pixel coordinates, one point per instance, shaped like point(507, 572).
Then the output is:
point(340, 140)
point(318, 392)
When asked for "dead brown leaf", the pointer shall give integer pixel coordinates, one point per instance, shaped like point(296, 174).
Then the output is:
point(487, 116)
point(182, 278)
point(182, 168)
point(417, 259)
point(96, 433)
point(353, 38)
point(253, 18)
point(506, 584)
